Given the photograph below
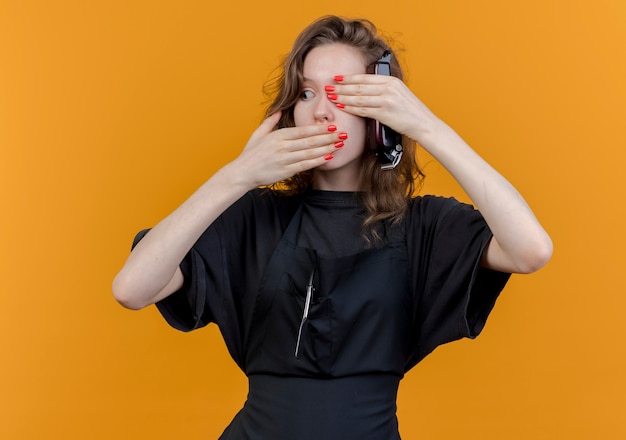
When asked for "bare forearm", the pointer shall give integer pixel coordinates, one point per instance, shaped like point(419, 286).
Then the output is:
point(147, 275)
point(152, 269)
point(521, 244)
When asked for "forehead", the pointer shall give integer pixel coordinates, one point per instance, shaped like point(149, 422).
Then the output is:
point(333, 59)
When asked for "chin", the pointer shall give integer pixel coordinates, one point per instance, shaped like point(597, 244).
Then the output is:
point(342, 168)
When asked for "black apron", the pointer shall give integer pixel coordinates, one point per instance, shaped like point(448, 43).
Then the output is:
point(326, 341)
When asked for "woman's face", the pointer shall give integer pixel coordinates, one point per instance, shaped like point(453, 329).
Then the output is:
point(313, 107)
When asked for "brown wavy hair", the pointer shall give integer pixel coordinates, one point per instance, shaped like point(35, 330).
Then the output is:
point(384, 193)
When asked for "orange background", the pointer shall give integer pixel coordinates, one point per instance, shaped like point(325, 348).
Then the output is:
point(112, 112)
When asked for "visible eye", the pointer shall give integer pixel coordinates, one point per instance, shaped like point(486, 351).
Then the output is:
point(306, 95)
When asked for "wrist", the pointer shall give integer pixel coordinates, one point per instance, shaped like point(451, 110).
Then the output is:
point(233, 178)
point(431, 132)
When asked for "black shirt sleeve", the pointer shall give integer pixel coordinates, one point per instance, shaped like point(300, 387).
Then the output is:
point(188, 308)
point(224, 267)
point(453, 295)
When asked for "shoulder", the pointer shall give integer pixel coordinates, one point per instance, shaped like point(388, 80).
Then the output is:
point(433, 208)
point(260, 205)
point(431, 217)
point(259, 199)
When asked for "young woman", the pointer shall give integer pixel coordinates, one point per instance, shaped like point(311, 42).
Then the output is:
point(333, 282)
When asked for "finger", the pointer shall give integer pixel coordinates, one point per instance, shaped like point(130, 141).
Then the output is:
point(370, 101)
point(312, 158)
point(361, 78)
point(306, 165)
point(313, 147)
point(267, 126)
point(359, 110)
point(360, 89)
point(360, 105)
point(306, 131)
point(315, 142)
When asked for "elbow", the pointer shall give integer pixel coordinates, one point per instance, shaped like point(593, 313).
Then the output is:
point(536, 256)
point(123, 294)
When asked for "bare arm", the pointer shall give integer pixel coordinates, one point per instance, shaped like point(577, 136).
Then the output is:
point(152, 271)
point(519, 244)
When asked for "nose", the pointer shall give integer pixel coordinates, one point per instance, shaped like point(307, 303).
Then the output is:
point(323, 111)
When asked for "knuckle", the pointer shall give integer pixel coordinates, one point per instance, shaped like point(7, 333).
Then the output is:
point(309, 154)
point(309, 142)
point(302, 132)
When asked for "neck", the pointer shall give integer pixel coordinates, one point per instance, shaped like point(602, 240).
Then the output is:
point(343, 178)
point(335, 181)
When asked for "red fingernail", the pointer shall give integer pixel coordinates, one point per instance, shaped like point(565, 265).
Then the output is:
point(329, 157)
point(339, 144)
point(340, 105)
point(343, 135)
point(329, 88)
point(332, 97)
point(332, 128)
point(338, 78)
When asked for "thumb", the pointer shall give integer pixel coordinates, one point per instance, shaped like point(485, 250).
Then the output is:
point(268, 124)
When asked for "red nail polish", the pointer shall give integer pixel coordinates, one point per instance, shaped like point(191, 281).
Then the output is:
point(339, 144)
point(332, 128)
point(338, 78)
point(343, 135)
point(329, 157)
point(332, 97)
point(329, 88)
point(339, 105)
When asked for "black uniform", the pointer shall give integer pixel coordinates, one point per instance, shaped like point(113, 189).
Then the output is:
point(323, 325)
